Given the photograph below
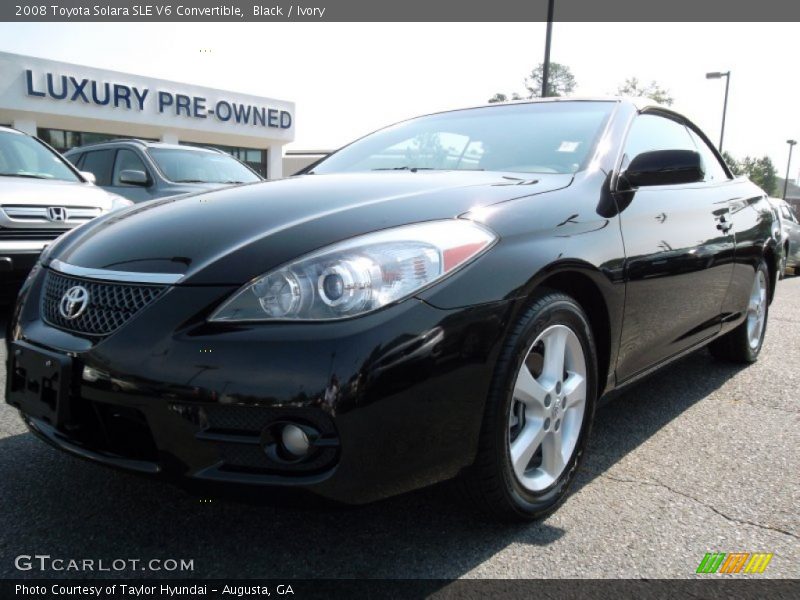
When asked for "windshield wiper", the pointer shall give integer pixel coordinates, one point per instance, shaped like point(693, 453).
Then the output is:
point(406, 168)
point(27, 175)
point(415, 169)
point(190, 181)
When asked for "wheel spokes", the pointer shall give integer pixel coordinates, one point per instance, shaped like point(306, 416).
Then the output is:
point(552, 454)
point(547, 408)
point(528, 390)
point(757, 309)
point(524, 447)
point(555, 346)
point(574, 389)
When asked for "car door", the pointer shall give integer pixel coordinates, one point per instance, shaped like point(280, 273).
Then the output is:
point(679, 252)
point(128, 160)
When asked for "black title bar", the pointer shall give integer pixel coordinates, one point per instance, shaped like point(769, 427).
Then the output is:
point(397, 10)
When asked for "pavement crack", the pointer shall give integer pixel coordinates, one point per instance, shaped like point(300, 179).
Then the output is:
point(725, 516)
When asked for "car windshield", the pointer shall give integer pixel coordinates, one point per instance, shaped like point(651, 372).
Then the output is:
point(546, 137)
point(24, 156)
point(200, 166)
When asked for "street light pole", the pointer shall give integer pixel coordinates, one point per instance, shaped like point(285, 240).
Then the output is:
point(727, 76)
point(548, 38)
point(788, 166)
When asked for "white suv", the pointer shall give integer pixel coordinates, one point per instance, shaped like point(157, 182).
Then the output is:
point(41, 196)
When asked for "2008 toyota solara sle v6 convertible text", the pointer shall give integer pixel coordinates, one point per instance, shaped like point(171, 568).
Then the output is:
point(447, 297)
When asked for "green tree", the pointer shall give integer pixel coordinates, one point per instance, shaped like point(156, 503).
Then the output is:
point(734, 165)
point(504, 98)
point(633, 87)
point(762, 172)
point(560, 82)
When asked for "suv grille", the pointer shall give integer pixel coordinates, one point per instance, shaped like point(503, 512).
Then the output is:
point(110, 305)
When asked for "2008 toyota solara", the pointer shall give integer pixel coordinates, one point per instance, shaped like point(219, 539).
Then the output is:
point(447, 297)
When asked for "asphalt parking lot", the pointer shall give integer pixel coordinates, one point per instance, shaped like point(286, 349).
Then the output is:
point(701, 457)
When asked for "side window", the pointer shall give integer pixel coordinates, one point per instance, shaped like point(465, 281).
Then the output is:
point(711, 165)
point(99, 162)
point(5, 159)
point(654, 132)
point(76, 159)
point(127, 160)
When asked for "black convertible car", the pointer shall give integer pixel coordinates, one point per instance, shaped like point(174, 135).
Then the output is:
point(446, 297)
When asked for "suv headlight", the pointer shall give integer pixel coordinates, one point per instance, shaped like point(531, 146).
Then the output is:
point(359, 275)
point(118, 202)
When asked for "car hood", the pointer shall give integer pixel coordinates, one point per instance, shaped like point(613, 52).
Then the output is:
point(232, 235)
point(45, 192)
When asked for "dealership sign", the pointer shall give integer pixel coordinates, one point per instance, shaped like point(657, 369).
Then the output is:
point(76, 90)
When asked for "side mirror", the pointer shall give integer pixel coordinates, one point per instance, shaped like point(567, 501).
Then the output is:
point(133, 177)
point(89, 176)
point(665, 167)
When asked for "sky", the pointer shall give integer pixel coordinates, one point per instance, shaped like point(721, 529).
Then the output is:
point(348, 79)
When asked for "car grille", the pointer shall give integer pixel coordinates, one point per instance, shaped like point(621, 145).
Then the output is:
point(38, 214)
point(110, 306)
point(31, 234)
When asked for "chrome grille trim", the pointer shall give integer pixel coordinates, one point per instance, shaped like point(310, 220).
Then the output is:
point(110, 305)
point(108, 275)
point(30, 233)
point(37, 213)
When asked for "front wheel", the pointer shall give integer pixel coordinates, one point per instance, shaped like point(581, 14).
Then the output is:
point(538, 414)
point(743, 344)
point(784, 262)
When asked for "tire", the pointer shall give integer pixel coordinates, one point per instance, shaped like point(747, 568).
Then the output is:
point(743, 344)
point(530, 428)
point(783, 263)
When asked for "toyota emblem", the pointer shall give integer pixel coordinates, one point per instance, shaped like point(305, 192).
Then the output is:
point(74, 302)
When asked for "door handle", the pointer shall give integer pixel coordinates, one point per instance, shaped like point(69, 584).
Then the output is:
point(724, 225)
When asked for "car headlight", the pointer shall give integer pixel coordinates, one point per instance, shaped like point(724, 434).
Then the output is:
point(359, 275)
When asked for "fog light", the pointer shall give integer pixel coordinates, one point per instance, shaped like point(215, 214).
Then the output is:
point(91, 375)
point(295, 441)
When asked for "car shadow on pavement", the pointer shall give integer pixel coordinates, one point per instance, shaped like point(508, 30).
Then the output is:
point(51, 503)
point(631, 417)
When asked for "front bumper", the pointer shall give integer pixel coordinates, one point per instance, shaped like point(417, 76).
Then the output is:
point(398, 394)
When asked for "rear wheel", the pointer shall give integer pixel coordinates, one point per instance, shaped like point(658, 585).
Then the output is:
point(744, 343)
point(538, 414)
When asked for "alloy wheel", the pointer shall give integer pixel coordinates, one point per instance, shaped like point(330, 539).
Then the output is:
point(547, 408)
point(757, 310)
